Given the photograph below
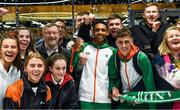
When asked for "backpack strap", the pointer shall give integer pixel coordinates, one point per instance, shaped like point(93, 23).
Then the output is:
point(167, 59)
point(118, 69)
point(117, 63)
point(136, 63)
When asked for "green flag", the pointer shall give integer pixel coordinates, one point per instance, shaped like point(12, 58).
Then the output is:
point(151, 97)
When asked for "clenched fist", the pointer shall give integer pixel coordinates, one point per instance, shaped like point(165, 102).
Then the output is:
point(3, 11)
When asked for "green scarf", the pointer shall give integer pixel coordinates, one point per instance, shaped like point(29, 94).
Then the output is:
point(151, 97)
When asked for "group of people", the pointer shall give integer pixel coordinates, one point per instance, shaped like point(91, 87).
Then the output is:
point(102, 62)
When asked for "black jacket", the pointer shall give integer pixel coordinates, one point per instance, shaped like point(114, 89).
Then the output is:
point(111, 41)
point(20, 95)
point(85, 32)
point(63, 44)
point(64, 95)
point(147, 40)
point(42, 50)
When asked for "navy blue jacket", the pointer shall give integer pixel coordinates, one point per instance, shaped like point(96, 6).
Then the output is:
point(160, 83)
point(64, 95)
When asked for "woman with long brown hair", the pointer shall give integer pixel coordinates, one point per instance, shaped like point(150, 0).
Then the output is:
point(9, 64)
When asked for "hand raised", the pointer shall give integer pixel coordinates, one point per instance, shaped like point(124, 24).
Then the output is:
point(3, 11)
point(156, 26)
point(83, 58)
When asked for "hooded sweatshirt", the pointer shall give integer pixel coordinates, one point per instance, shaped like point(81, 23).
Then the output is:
point(128, 77)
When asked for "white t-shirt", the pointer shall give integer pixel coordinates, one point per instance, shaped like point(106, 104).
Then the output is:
point(6, 79)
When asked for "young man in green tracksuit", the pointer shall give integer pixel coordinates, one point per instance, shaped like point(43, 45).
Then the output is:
point(129, 70)
point(94, 81)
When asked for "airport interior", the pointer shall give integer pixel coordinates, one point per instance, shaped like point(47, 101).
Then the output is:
point(35, 13)
point(116, 54)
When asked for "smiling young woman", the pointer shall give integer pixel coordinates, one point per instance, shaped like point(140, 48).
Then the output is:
point(30, 92)
point(9, 64)
point(61, 84)
point(26, 43)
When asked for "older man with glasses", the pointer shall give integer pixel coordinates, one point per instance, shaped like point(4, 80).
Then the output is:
point(50, 43)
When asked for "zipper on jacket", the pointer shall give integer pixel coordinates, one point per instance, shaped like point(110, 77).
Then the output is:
point(94, 95)
point(71, 61)
point(129, 86)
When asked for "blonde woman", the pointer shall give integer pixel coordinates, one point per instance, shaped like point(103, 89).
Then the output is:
point(166, 69)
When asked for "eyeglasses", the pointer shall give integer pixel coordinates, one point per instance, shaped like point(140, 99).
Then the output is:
point(61, 27)
point(151, 11)
point(49, 33)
